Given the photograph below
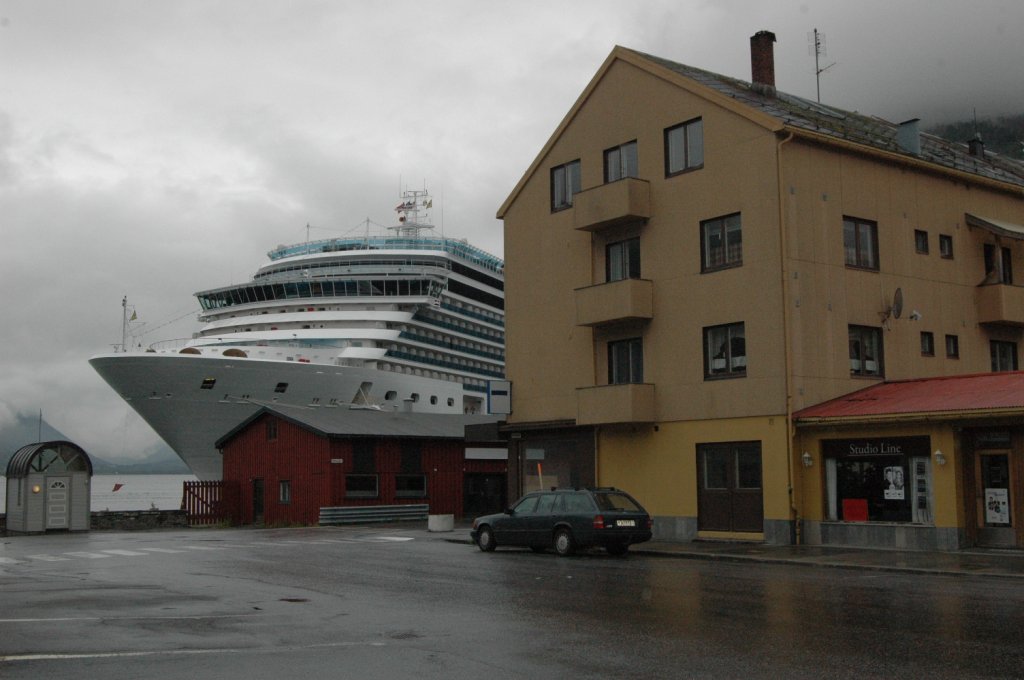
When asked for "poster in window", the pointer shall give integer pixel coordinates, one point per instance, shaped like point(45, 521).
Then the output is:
point(894, 483)
point(997, 506)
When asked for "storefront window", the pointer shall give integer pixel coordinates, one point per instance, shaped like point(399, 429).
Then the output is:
point(878, 480)
point(557, 462)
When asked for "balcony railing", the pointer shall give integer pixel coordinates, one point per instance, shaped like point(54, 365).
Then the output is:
point(622, 202)
point(615, 302)
point(611, 404)
point(1001, 304)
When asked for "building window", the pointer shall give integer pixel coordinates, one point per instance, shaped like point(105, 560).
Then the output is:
point(866, 351)
point(921, 241)
point(860, 243)
point(565, 182)
point(208, 383)
point(1004, 355)
point(625, 361)
point(725, 351)
point(620, 162)
point(946, 246)
point(878, 480)
point(281, 387)
point(361, 486)
point(721, 242)
point(927, 344)
point(284, 491)
point(271, 429)
point(684, 147)
point(952, 347)
point(998, 267)
point(622, 260)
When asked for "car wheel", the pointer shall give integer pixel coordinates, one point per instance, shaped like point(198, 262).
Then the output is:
point(617, 549)
point(564, 543)
point(485, 539)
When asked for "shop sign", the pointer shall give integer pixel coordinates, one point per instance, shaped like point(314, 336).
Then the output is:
point(880, 446)
point(992, 439)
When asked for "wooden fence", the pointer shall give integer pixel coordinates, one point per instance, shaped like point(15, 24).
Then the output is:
point(211, 503)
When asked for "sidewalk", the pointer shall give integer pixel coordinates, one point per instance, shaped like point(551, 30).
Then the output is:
point(973, 562)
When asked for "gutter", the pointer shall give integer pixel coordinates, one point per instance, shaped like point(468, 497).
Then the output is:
point(794, 512)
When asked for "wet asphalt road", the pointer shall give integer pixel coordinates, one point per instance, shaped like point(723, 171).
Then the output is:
point(399, 603)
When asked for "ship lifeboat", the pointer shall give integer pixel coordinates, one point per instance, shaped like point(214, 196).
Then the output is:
point(190, 350)
point(235, 352)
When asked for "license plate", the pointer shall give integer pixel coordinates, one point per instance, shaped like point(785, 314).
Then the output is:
point(625, 522)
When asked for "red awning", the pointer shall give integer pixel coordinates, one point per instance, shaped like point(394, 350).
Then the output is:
point(994, 393)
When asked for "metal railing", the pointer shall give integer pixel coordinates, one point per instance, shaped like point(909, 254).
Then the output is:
point(373, 513)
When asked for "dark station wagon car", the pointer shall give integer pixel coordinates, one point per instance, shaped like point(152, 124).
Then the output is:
point(567, 520)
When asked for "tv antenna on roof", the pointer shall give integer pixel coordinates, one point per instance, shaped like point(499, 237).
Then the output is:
point(817, 45)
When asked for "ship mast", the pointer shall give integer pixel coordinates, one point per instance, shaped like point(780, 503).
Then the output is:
point(412, 214)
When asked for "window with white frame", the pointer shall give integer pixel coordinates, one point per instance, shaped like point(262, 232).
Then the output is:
point(284, 491)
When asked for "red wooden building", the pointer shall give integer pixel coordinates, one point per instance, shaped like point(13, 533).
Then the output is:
point(288, 463)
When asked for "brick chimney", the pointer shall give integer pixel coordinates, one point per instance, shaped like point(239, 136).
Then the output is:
point(762, 62)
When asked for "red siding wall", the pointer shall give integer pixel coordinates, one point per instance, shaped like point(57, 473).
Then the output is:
point(304, 459)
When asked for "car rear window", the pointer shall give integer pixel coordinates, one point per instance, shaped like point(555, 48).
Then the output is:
point(616, 501)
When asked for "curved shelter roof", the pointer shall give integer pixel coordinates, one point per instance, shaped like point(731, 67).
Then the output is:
point(52, 457)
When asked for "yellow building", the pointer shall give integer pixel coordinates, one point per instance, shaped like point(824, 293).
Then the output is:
point(691, 259)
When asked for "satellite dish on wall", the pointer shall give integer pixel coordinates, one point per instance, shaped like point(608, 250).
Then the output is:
point(897, 303)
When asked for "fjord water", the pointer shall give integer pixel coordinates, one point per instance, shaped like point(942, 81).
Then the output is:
point(137, 492)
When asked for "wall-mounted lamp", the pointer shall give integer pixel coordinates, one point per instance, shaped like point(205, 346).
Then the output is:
point(807, 460)
point(36, 488)
point(940, 457)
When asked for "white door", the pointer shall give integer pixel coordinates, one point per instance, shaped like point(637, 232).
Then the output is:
point(58, 505)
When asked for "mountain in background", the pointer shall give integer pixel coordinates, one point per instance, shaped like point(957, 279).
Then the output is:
point(1003, 135)
point(33, 429)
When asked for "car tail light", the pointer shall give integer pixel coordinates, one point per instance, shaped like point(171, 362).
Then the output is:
point(598, 521)
point(650, 523)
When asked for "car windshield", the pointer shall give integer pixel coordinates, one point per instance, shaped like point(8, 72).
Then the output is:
point(616, 501)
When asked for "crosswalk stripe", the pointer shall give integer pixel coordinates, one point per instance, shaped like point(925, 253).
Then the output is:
point(47, 558)
point(9, 560)
point(199, 547)
point(89, 555)
point(162, 550)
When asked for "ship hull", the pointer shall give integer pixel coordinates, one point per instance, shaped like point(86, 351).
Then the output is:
point(191, 401)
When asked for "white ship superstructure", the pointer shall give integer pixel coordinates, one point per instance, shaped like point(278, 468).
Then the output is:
point(403, 320)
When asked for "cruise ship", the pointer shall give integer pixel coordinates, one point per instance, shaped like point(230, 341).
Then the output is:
point(399, 320)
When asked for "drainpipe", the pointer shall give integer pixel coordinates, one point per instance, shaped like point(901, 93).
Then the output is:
point(787, 346)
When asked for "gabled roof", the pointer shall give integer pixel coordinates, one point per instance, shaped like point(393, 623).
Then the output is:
point(782, 112)
point(368, 423)
point(961, 396)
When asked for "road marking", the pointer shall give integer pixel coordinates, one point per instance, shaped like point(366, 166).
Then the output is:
point(89, 555)
point(126, 553)
point(395, 539)
point(47, 558)
point(9, 560)
point(198, 547)
point(181, 652)
point(162, 550)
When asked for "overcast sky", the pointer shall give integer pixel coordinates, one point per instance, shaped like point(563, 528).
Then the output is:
point(157, 148)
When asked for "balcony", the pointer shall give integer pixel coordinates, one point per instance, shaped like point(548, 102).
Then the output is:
point(1001, 304)
point(615, 302)
point(622, 202)
point(610, 404)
